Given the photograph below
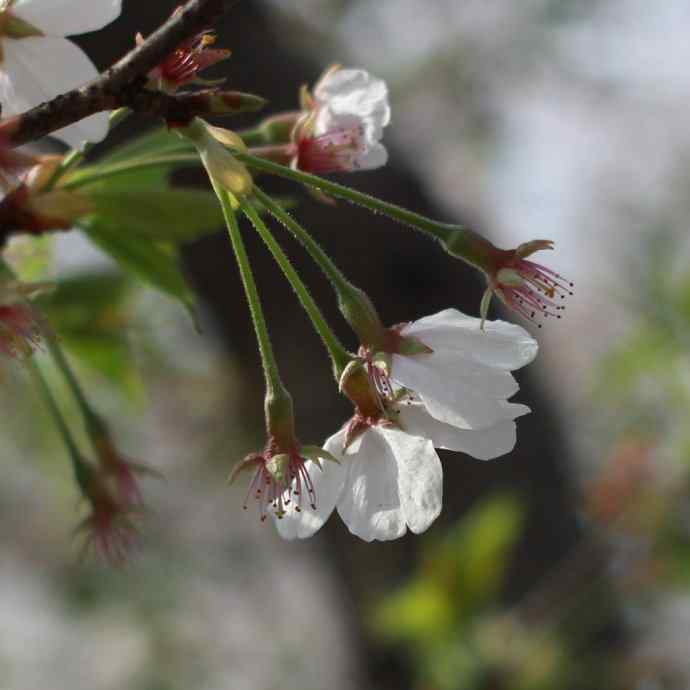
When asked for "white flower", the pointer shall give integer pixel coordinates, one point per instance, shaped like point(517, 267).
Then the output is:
point(456, 389)
point(38, 63)
point(343, 128)
point(387, 481)
point(465, 381)
point(390, 478)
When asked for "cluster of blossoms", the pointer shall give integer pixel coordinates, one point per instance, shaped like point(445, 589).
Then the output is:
point(441, 382)
point(452, 393)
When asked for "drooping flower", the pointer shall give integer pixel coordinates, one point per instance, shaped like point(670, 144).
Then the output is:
point(38, 63)
point(530, 289)
point(386, 481)
point(342, 123)
point(110, 527)
point(122, 471)
point(282, 479)
point(183, 65)
point(21, 326)
point(389, 477)
point(457, 369)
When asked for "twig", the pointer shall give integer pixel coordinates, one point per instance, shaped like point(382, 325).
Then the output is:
point(121, 84)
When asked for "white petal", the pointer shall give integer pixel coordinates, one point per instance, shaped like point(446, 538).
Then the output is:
point(355, 91)
point(348, 93)
point(39, 68)
point(328, 485)
point(420, 477)
point(483, 444)
point(501, 344)
point(375, 156)
point(456, 392)
point(370, 503)
point(67, 17)
point(450, 368)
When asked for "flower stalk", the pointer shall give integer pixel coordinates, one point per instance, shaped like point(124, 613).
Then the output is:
point(278, 404)
point(354, 303)
point(339, 356)
point(461, 242)
point(79, 466)
point(93, 423)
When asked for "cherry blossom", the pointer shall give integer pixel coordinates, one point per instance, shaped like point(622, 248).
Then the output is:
point(459, 370)
point(282, 480)
point(390, 477)
point(182, 66)
point(529, 288)
point(38, 63)
point(21, 326)
point(343, 123)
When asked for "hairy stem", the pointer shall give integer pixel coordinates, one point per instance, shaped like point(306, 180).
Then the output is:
point(78, 465)
point(354, 304)
point(467, 244)
point(274, 383)
point(337, 352)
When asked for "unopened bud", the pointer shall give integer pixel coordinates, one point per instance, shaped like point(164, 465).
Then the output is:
point(221, 165)
point(228, 138)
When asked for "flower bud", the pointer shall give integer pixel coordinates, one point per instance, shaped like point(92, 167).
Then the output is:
point(182, 66)
point(223, 168)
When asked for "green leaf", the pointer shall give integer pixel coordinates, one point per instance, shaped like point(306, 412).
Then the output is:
point(152, 171)
point(156, 263)
point(458, 575)
point(77, 299)
point(30, 257)
point(316, 454)
point(109, 355)
point(472, 559)
point(175, 215)
point(155, 142)
point(88, 313)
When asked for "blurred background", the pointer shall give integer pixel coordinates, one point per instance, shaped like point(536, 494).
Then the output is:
point(565, 564)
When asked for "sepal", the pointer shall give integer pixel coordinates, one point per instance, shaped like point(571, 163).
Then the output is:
point(317, 453)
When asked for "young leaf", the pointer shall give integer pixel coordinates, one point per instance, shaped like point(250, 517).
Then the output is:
point(174, 215)
point(155, 142)
point(151, 171)
point(88, 312)
point(154, 262)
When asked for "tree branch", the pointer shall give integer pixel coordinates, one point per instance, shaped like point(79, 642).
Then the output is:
point(118, 85)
